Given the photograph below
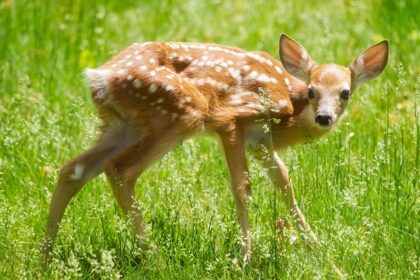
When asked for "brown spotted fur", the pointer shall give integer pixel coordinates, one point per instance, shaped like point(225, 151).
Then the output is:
point(152, 96)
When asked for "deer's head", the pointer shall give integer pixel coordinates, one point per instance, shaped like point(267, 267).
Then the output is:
point(330, 86)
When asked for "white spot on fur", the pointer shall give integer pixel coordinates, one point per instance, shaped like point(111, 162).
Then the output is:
point(195, 113)
point(160, 100)
point(173, 45)
point(236, 100)
point(169, 88)
point(245, 110)
point(254, 106)
point(78, 172)
point(152, 61)
point(152, 88)
point(222, 86)
point(263, 78)
point(212, 82)
point(234, 73)
point(282, 104)
point(137, 83)
point(201, 82)
point(172, 55)
point(259, 58)
point(287, 82)
point(253, 75)
point(278, 69)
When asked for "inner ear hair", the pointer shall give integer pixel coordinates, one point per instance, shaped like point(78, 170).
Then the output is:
point(370, 63)
point(295, 58)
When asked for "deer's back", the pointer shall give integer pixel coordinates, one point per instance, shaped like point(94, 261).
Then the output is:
point(192, 82)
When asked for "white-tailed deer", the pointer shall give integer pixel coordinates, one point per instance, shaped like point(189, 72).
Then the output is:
point(151, 96)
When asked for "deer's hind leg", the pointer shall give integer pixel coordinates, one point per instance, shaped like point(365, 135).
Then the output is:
point(125, 166)
point(75, 174)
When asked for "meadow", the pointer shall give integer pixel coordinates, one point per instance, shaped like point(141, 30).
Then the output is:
point(358, 187)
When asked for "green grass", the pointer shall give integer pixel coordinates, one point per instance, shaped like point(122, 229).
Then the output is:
point(358, 186)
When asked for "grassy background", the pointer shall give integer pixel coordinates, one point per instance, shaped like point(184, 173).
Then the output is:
point(358, 187)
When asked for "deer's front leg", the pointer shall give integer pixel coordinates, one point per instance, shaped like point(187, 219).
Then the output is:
point(279, 175)
point(234, 148)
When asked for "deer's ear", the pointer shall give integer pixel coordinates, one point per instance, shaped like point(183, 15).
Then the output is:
point(295, 58)
point(370, 63)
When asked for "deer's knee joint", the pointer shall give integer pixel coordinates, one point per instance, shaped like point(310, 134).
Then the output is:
point(113, 173)
point(117, 174)
point(72, 172)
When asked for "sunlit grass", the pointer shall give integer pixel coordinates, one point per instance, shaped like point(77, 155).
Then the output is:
point(358, 187)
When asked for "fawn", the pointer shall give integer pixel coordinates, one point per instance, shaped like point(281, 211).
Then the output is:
point(151, 96)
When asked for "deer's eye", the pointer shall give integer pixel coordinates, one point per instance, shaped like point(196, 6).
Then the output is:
point(345, 94)
point(311, 93)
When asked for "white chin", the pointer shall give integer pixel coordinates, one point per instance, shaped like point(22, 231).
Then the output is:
point(325, 127)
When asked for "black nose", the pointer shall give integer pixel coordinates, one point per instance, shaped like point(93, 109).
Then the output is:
point(323, 118)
